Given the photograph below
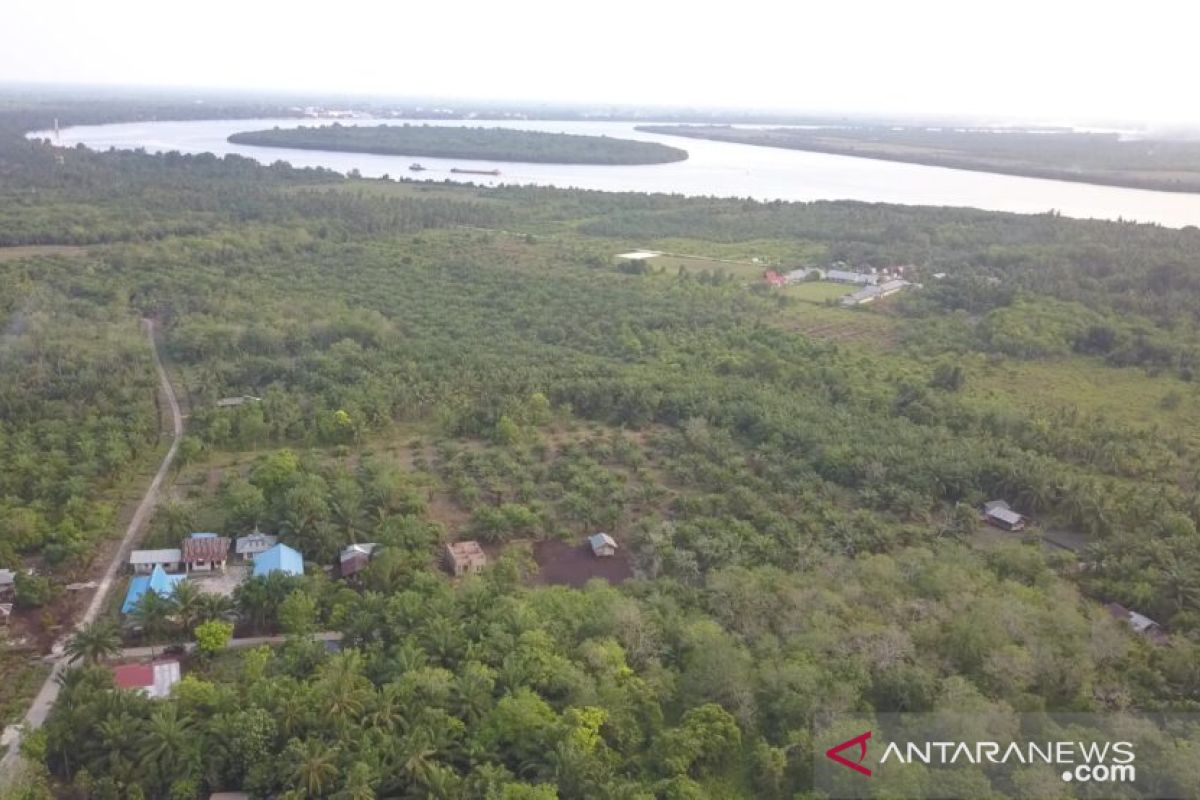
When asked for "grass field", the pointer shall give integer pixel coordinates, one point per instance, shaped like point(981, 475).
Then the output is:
point(1130, 396)
point(818, 291)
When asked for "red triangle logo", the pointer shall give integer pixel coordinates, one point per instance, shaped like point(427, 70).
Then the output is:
point(835, 753)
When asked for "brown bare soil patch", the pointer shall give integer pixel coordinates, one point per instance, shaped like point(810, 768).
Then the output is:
point(572, 564)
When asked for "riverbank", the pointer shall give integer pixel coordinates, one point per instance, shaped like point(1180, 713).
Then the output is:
point(1097, 159)
point(483, 144)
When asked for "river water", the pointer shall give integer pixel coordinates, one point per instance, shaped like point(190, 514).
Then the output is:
point(719, 169)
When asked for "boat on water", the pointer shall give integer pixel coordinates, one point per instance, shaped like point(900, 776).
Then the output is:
point(415, 167)
point(462, 171)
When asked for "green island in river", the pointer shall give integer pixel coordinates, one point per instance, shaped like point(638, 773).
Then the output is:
point(1105, 158)
point(490, 144)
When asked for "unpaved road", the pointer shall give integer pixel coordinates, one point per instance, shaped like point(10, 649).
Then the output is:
point(36, 715)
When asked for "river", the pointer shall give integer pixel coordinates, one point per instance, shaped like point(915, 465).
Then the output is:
point(719, 169)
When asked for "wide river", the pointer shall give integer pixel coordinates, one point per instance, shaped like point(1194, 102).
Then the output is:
point(718, 169)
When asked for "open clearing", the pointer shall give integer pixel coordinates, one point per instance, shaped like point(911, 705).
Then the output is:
point(567, 564)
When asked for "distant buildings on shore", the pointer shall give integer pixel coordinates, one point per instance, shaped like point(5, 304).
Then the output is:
point(876, 283)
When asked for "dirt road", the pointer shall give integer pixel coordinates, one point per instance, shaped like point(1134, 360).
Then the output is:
point(10, 763)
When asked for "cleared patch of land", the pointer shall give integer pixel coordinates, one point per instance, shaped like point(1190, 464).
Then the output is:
point(572, 564)
point(486, 144)
point(1059, 154)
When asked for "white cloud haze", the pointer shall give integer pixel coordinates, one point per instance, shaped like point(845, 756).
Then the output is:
point(1048, 60)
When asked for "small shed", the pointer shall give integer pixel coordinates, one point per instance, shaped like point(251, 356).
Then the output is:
point(144, 561)
point(1140, 623)
point(205, 552)
point(5, 613)
point(603, 545)
point(279, 558)
point(234, 402)
point(153, 680)
point(465, 558)
point(1001, 515)
point(355, 558)
point(8, 582)
point(254, 544)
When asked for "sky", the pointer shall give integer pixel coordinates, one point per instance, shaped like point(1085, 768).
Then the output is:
point(1057, 61)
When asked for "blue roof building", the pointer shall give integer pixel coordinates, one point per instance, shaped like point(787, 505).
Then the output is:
point(279, 558)
point(157, 581)
point(203, 536)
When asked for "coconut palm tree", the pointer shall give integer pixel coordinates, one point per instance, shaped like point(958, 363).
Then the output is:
point(313, 765)
point(94, 642)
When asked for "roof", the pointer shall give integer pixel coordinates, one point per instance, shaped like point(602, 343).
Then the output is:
point(203, 536)
point(157, 581)
point(364, 549)
point(466, 552)
point(226, 402)
point(1005, 515)
point(853, 277)
point(205, 548)
point(1139, 622)
point(638, 255)
point(991, 505)
point(279, 558)
point(598, 540)
point(254, 542)
point(229, 796)
point(165, 556)
point(7, 577)
point(5, 609)
point(801, 274)
point(155, 679)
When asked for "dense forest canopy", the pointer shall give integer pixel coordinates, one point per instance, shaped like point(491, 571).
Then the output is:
point(1091, 157)
point(794, 486)
point(483, 144)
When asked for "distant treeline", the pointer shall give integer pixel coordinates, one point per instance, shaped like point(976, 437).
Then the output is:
point(489, 144)
point(1104, 158)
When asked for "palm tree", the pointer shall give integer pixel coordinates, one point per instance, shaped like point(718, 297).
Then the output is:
point(153, 615)
point(94, 642)
point(167, 749)
point(313, 765)
point(252, 602)
point(215, 607)
point(175, 519)
point(359, 784)
point(188, 603)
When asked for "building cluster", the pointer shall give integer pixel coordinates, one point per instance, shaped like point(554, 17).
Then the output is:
point(875, 284)
point(206, 554)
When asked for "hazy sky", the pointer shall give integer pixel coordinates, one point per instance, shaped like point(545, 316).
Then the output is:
point(1053, 60)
